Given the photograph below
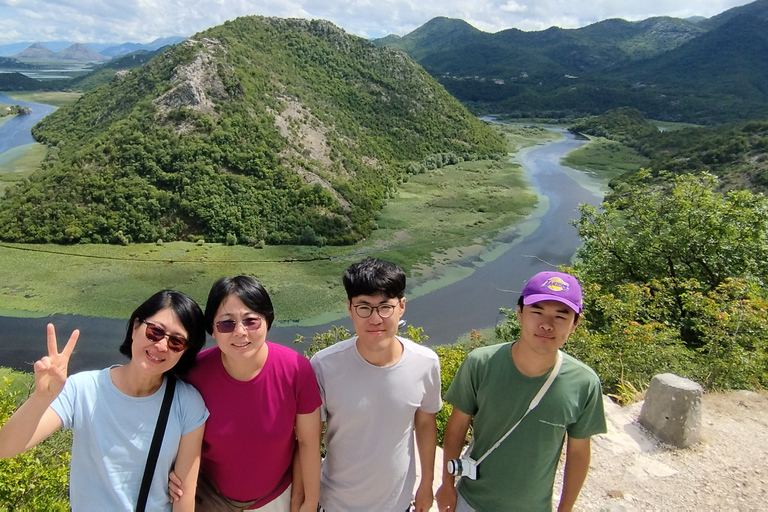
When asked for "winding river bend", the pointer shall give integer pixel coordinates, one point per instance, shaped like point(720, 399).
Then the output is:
point(490, 281)
point(16, 132)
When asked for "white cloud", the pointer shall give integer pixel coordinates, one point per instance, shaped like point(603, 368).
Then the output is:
point(513, 6)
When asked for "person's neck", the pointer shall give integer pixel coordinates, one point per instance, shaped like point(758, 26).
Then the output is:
point(245, 369)
point(134, 383)
point(388, 355)
point(530, 363)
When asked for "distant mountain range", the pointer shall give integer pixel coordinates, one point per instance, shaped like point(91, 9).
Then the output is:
point(701, 70)
point(88, 52)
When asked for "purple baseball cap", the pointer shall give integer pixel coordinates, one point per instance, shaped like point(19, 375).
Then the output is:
point(553, 286)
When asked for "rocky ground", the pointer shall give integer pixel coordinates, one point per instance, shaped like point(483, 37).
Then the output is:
point(727, 470)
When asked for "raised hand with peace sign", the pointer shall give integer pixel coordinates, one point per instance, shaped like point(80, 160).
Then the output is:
point(51, 370)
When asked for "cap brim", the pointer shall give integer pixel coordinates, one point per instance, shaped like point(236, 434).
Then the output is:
point(541, 297)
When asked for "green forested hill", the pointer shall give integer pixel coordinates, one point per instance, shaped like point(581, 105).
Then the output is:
point(453, 47)
point(709, 72)
point(288, 131)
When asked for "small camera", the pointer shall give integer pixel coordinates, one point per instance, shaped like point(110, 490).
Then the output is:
point(464, 466)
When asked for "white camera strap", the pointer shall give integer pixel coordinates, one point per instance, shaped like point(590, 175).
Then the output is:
point(533, 404)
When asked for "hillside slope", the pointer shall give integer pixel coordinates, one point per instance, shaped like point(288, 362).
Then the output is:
point(671, 69)
point(288, 131)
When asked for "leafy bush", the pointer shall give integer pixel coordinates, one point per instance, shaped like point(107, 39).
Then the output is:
point(37, 479)
point(675, 280)
point(451, 357)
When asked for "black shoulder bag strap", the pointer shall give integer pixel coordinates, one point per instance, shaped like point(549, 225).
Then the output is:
point(157, 441)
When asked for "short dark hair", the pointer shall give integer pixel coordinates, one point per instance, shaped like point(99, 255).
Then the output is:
point(247, 289)
point(521, 306)
point(373, 276)
point(189, 314)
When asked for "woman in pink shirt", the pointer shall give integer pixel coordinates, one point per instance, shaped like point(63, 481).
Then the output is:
point(264, 405)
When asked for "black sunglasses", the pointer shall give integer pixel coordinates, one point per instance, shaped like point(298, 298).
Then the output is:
point(156, 334)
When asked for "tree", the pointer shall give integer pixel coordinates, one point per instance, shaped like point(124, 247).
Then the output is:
point(673, 234)
point(675, 281)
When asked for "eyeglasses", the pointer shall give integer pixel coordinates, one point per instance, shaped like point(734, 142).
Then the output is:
point(229, 326)
point(156, 334)
point(384, 310)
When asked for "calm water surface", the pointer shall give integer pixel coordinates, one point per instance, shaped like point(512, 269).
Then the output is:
point(16, 132)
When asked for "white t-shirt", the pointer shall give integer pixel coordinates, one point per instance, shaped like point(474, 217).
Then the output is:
point(111, 435)
point(370, 462)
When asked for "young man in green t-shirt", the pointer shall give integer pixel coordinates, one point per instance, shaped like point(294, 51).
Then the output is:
point(494, 388)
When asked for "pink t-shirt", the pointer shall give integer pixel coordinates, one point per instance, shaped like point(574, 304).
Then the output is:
point(249, 438)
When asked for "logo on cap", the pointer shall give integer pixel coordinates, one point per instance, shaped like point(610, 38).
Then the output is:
point(556, 284)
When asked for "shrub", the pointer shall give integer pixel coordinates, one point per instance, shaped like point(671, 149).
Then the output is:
point(38, 478)
point(451, 357)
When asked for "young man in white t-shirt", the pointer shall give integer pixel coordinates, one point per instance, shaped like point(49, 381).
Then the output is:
point(378, 390)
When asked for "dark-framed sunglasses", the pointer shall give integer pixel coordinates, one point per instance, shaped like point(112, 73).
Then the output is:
point(229, 326)
point(156, 334)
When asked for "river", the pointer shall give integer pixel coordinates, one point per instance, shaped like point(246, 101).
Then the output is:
point(469, 300)
point(16, 132)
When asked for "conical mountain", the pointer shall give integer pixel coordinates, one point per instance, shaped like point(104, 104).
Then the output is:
point(81, 53)
point(262, 128)
point(36, 51)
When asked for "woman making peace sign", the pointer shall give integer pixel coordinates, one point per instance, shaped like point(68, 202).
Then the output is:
point(113, 412)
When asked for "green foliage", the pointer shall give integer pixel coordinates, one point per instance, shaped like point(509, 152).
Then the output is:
point(451, 357)
point(626, 125)
point(509, 330)
point(16, 110)
point(734, 340)
point(675, 281)
point(682, 231)
point(415, 334)
point(286, 103)
point(37, 479)
point(626, 343)
point(321, 340)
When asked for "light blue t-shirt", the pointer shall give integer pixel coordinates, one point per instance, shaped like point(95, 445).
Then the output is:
point(111, 435)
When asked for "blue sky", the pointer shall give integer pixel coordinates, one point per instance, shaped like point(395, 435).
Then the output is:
point(141, 21)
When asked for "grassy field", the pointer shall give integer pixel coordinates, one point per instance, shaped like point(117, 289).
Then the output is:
point(519, 137)
point(18, 163)
point(667, 126)
point(605, 159)
point(436, 217)
point(57, 99)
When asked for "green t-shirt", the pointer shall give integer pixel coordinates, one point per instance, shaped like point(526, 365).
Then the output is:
point(520, 473)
